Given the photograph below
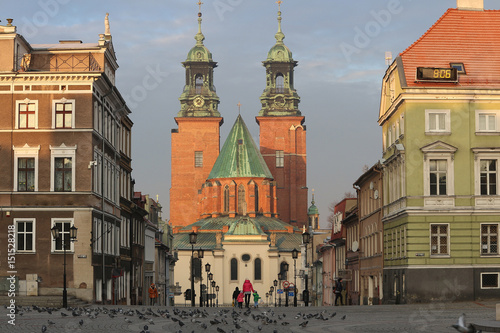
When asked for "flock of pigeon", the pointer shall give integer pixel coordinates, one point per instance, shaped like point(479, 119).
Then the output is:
point(224, 320)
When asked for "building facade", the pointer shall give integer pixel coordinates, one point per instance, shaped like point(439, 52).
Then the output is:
point(440, 122)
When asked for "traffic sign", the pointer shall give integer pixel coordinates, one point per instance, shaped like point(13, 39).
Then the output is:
point(286, 284)
point(290, 293)
point(280, 291)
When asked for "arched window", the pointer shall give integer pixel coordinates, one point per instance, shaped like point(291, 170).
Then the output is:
point(257, 269)
point(242, 205)
point(280, 83)
point(198, 83)
point(256, 198)
point(284, 274)
point(234, 269)
point(226, 199)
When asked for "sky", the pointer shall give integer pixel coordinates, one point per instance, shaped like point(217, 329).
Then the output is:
point(340, 47)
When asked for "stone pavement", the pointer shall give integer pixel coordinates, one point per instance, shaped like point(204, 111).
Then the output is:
point(432, 317)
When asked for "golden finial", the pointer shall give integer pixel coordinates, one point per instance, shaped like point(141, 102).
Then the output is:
point(239, 107)
point(199, 5)
point(279, 2)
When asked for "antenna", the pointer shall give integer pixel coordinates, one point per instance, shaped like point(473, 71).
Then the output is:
point(388, 58)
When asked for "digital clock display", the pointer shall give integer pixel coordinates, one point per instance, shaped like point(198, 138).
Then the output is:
point(437, 74)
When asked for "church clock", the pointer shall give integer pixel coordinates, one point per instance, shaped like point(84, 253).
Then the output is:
point(198, 101)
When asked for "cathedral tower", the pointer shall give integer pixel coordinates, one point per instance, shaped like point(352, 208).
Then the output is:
point(196, 142)
point(282, 134)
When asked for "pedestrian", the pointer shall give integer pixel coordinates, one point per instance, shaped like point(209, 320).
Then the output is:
point(240, 299)
point(256, 298)
point(338, 291)
point(236, 292)
point(153, 294)
point(247, 290)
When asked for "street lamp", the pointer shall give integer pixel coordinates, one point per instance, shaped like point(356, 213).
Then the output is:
point(210, 278)
point(306, 239)
point(200, 256)
point(217, 290)
point(271, 289)
point(275, 282)
point(280, 278)
point(213, 287)
point(207, 269)
point(56, 233)
point(192, 240)
point(267, 298)
point(285, 269)
point(295, 254)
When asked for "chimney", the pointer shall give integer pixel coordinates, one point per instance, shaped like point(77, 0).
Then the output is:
point(470, 4)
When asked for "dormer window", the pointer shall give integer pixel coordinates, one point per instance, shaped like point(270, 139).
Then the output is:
point(198, 83)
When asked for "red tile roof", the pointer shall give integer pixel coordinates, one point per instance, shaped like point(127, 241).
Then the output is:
point(461, 36)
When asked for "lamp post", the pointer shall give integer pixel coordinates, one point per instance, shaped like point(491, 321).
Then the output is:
point(56, 233)
point(207, 269)
point(279, 279)
point(217, 290)
point(267, 298)
point(295, 254)
point(275, 282)
point(200, 256)
point(210, 278)
point(213, 287)
point(192, 241)
point(271, 290)
point(285, 269)
point(306, 238)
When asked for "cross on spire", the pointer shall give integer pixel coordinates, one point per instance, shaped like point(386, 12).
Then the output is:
point(279, 2)
point(199, 5)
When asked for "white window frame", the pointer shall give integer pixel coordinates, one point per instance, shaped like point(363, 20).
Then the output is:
point(59, 152)
point(64, 101)
point(25, 152)
point(485, 154)
point(450, 175)
point(26, 101)
point(496, 130)
point(53, 242)
point(439, 255)
point(33, 221)
point(447, 122)
point(280, 158)
point(481, 240)
point(491, 273)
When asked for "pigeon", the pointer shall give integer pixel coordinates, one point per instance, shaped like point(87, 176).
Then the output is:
point(146, 327)
point(151, 321)
point(333, 314)
point(81, 322)
point(343, 317)
point(460, 326)
point(63, 314)
point(44, 328)
point(128, 321)
point(50, 322)
point(220, 330)
point(304, 323)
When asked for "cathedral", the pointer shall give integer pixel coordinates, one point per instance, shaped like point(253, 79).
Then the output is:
point(245, 204)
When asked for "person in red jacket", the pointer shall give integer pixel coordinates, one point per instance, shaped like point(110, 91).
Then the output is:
point(247, 290)
point(239, 299)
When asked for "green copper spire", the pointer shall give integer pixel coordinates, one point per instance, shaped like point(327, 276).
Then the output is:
point(313, 210)
point(240, 157)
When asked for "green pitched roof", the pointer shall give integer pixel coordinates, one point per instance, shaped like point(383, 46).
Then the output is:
point(240, 156)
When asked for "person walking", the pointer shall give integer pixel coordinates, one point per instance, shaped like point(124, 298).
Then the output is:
point(240, 299)
point(247, 290)
point(256, 298)
point(338, 291)
point(153, 294)
point(236, 292)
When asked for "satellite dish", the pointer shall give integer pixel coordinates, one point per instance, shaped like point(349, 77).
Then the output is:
point(355, 246)
point(371, 185)
point(375, 194)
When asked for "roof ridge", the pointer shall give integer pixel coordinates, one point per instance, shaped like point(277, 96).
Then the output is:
point(429, 30)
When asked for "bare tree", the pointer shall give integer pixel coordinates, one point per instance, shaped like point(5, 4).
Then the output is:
point(331, 208)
